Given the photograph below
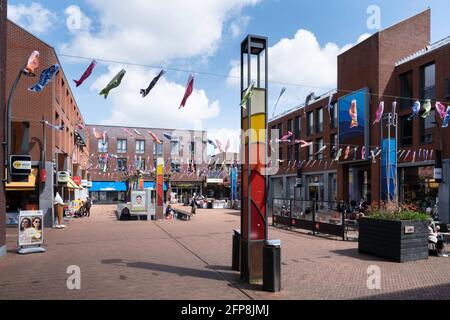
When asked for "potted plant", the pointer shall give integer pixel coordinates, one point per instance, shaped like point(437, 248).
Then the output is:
point(394, 231)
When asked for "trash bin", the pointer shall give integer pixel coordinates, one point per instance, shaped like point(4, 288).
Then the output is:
point(272, 266)
point(235, 265)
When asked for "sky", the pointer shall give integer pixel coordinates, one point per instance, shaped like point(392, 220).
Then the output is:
point(203, 37)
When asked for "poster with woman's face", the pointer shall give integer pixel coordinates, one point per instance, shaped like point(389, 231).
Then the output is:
point(31, 231)
point(138, 201)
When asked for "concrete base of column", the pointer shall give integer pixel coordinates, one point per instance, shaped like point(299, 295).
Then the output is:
point(159, 213)
point(252, 274)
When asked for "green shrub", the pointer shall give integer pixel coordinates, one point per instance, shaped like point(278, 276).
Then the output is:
point(395, 211)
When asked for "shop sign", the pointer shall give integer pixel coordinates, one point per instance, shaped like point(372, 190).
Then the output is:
point(89, 184)
point(84, 183)
point(215, 181)
point(20, 165)
point(409, 230)
point(77, 180)
point(437, 173)
point(298, 182)
point(63, 176)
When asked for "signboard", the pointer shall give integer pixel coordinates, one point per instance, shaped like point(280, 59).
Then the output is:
point(20, 165)
point(298, 182)
point(63, 177)
point(354, 127)
point(391, 168)
point(31, 231)
point(89, 184)
point(212, 181)
point(84, 183)
point(77, 180)
point(437, 173)
point(138, 201)
point(409, 230)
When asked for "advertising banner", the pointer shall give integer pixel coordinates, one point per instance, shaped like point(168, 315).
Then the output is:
point(31, 231)
point(138, 201)
point(233, 184)
point(354, 126)
point(388, 148)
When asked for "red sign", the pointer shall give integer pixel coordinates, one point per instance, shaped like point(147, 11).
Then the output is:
point(77, 180)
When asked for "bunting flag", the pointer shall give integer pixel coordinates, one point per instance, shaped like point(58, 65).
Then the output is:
point(374, 160)
point(419, 154)
point(86, 74)
point(407, 154)
point(379, 113)
point(145, 92)
point(286, 137)
point(219, 145)
point(415, 109)
point(128, 132)
point(355, 153)
point(114, 83)
point(446, 118)
point(353, 114)
point(303, 143)
point(427, 108)
point(278, 100)
point(155, 138)
point(97, 135)
point(314, 162)
point(188, 91)
point(137, 132)
point(32, 64)
point(414, 157)
point(310, 97)
point(55, 127)
point(104, 137)
point(441, 110)
point(321, 150)
point(394, 107)
point(378, 152)
point(46, 76)
point(431, 154)
point(347, 153)
point(228, 145)
point(308, 163)
point(338, 156)
point(167, 136)
point(247, 95)
point(330, 106)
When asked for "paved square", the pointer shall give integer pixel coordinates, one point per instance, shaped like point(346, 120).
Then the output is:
point(191, 260)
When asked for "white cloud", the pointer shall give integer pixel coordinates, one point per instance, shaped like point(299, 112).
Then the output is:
point(34, 18)
point(156, 31)
point(76, 20)
point(238, 26)
point(160, 107)
point(302, 64)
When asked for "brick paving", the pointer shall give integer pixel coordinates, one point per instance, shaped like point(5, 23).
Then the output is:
point(191, 260)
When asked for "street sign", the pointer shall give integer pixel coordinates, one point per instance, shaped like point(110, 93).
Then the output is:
point(77, 180)
point(20, 165)
point(438, 173)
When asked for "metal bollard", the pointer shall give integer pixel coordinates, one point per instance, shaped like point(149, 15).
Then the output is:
point(235, 265)
point(272, 266)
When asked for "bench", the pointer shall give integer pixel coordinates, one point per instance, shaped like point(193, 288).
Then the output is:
point(183, 215)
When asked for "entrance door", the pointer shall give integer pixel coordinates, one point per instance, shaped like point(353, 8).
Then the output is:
point(314, 193)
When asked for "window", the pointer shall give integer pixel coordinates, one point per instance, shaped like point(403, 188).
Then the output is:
point(426, 127)
point(310, 123)
point(102, 146)
point(297, 126)
point(289, 125)
point(157, 149)
point(140, 163)
point(280, 153)
point(333, 117)
point(102, 164)
point(121, 146)
point(297, 152)
point(428, 82)
point(175, 167)
point(280, 131)
point(406, 131)
point(319, 124)
point(140, 146)
point(310, 152)
point(289, 150)
point(319, 146)
point(447, 88)
point(192, 148)
point(406, 90)
point(174, 148)
point(334, 147)
point(121, 164)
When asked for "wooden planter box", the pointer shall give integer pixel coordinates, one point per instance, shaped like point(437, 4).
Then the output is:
point(401, 241)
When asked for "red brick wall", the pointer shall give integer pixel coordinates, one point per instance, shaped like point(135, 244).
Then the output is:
point(2, 115)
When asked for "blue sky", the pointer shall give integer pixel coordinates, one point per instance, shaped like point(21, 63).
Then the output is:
point(204, 36)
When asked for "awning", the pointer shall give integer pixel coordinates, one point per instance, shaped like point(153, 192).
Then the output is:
point(151, 185)
point(108, 186)
point(72, 185)
point(24, 186)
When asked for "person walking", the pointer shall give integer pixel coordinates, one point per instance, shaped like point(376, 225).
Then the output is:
point(88, 206)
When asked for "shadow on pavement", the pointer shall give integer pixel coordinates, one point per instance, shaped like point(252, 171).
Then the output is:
point(353, 253)
point(437, 292)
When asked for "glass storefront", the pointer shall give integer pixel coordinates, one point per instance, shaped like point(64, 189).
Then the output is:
point(418, 187)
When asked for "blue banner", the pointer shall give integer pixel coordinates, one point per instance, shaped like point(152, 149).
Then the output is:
point(392, 167)
point(233, 184)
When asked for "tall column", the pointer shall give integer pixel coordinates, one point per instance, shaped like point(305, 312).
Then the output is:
point(342, 182)
point(159, 188)
point(254, 181)
point(3, 6)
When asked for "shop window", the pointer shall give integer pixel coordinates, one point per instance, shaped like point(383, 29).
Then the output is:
point(102, 146)
point(428, 82)
point(122, 164)
point(140, 146)
point(406, 131)
point(157, 149)
point(319, 123)
point(121, 146)
point(310, 123)
point(406, 90)
point(418, 187)
point(427, 127)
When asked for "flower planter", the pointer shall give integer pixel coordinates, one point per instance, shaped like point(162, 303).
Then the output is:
point(401, 241)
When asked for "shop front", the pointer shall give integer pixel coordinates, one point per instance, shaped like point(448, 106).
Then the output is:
point(183, 191)
point(108, 192)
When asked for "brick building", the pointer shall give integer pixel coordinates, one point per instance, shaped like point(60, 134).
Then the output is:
point(117, 150)
point(3, 9)
point(395, 62)
point(64, 150)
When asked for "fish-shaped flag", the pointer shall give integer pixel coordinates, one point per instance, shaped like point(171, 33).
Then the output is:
point(188, 91)
point(278, 100)
point(114, 83)
point(363, 153)
point(46, 76)
point(374, 158)
point(55, 127)
point(416, 109)
point(145, 92)
point(427, 108)
point(167, 136)
point(310, 97)
point(303, 143)
point(86, 74)
point(347, 153)
point(414, 157)
point(394, 107)
point(330, 105)
point(285, 138)
point(321, 150)
point(431, 152)
point(32, 64)
point(355, 150)
point(227, 145)
point(155, 138)
point(128, 132)
point(440, 109)
point(379, 113)
point(97, 135)
point(446, 119)
point(137, 132)
point(353, 114)
point(219, 145)
point(212, 143)
point(247, 95)
point(105, 136)
point(339, 154)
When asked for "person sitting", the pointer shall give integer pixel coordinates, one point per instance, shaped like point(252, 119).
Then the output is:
point(169, 212)
point(436, 238)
